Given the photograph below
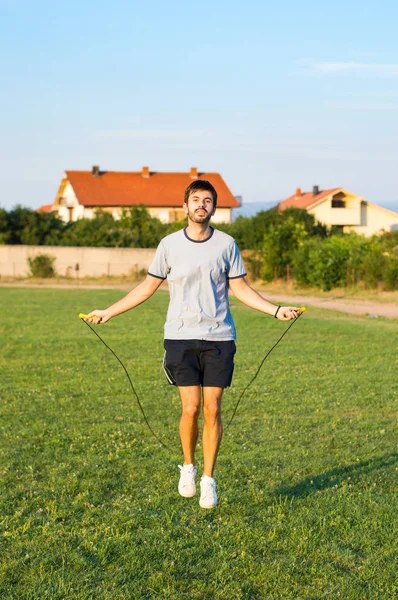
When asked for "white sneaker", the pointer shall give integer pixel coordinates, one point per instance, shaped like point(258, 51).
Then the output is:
point(186, 486)
point(208, 495)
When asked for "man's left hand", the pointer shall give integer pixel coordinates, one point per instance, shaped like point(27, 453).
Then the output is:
point(286, 313)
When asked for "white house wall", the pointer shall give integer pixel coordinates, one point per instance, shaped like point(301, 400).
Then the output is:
point(321, 212)
point(164, 214)
point(374, 219)
point(350, 215)
point(358, 216)
point(222, 215)
point(69, 200)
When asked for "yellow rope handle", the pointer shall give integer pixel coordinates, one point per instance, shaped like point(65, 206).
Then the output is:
point(83, 316)
point(300, 311)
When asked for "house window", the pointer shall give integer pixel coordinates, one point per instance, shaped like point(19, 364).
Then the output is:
point(338, 203)
point(70, 214)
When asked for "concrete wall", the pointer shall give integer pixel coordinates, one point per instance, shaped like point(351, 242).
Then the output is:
point(92, 262)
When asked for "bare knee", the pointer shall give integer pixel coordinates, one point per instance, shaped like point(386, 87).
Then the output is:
point(212, 413)
point(191, 411)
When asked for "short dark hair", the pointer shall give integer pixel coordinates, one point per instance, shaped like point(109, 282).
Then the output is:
point(200, 185)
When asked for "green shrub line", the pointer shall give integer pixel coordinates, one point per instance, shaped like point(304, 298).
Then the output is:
point(290, 245)
point(346, 261)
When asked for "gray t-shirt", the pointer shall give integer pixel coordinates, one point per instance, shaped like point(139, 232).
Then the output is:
point(198, 274)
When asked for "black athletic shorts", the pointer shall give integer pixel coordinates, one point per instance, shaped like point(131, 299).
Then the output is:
point(199, 362)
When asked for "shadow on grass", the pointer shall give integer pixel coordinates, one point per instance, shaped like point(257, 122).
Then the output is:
point(336, 476)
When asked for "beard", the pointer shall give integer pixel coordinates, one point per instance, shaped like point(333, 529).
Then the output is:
point(196, 216)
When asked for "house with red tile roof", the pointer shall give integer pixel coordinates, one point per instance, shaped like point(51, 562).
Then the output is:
point(82, 193)
point(344, 209)
point(46, 208)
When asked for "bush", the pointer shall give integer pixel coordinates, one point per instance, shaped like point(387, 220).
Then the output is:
point(388, 241)
point(390, 275)
point(374, 267)
point(347, 260)
point(323, 263)
point(253, 264)
point(135, 229)
point(42, 265)
point(249, 232)
point(25, 226)
point(304, 259)
point(280, 246)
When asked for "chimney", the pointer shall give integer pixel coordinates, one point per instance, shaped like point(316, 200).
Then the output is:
point(193, 173)
point(95, 171)
point(315, 190)
point(145, 172)
point(298, 193)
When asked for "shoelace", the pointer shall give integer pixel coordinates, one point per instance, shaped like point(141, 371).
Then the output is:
point(187, 474)
point(208, 488)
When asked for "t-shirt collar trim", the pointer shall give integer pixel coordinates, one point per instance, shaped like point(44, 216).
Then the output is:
point(198, 241)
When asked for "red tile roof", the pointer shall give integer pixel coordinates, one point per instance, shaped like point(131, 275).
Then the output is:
point(305, 199)
point(46, 208)
point(115, 188)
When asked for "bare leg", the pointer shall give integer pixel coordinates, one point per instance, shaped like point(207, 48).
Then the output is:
point(212, 429)
point(190, 401)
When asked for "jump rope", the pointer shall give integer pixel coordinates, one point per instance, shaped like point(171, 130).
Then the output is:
point(83, 317)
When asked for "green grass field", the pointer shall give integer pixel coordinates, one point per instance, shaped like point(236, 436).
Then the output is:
point(306, 474)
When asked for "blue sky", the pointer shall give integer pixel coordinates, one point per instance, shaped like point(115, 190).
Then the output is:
point(273, 96)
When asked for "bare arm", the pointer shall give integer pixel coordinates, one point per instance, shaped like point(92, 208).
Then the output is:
point(137, 296)
point(246, 294)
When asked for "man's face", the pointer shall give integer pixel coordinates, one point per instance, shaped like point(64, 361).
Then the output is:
point(200, 206)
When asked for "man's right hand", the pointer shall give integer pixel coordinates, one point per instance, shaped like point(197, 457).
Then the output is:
point(98, 317)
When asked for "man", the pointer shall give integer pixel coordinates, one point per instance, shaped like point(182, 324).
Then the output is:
point(200, 264)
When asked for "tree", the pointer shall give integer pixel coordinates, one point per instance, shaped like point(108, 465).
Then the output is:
point(97, 232)
point(323, 263)
point(42, 229)
point(4, 232)
point(280, 245)
point(26, 226)
point(249, 232)
point(148, 231)
point(19, 219)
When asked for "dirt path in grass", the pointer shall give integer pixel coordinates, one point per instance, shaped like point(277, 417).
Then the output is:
point(357, 307)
